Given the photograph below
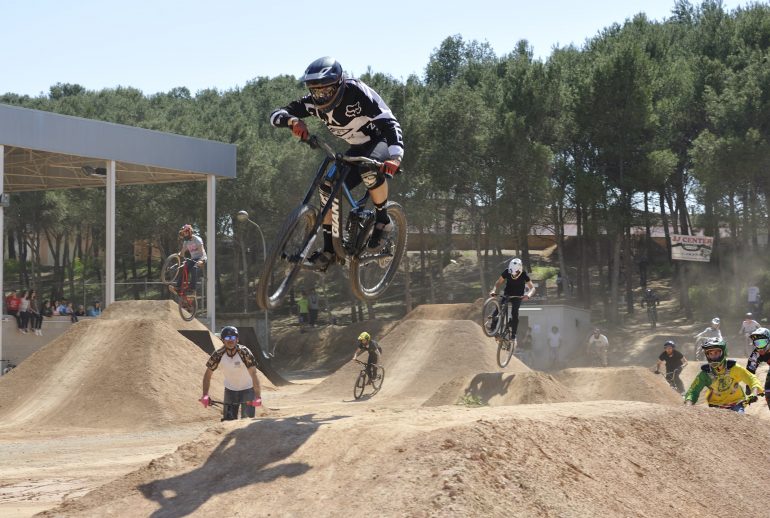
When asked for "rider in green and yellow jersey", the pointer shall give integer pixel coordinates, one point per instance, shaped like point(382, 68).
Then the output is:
point(722, 378)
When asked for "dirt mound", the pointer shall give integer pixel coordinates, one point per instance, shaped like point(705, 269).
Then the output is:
point(419, 356)
point(499, 389)
point(465, 311)
point(165, 310)
point(621, 383)
point(112, 374)
point(576, 459)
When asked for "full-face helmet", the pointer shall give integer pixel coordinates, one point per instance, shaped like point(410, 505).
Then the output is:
point(515, 267)
point(761, 338)
point(186, 232)
point(715, 351)
point(715, 321)
point(326, 81)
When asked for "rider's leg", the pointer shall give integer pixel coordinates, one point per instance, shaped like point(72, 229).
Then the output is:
point(230, 411)
point(513, 322)
point(371, 368)
point(193, 277)
point(767, 389)
point(377, 186)
point(678, 382)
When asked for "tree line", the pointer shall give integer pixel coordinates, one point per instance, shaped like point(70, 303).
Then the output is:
point(647, 124)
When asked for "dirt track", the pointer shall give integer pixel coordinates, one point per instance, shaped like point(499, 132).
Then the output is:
point(82, 420)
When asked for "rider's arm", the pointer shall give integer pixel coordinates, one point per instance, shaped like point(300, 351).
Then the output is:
point(255, 381)
point(280, 118)
point(357, 352)
point(531, 291)
point(700, 382)
point(499, 281)
point(659, 365)
point(207, 381)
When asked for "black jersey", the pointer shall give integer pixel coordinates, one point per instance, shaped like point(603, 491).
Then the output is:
point(673, 362)
point(515, 286)
point(756, 358)
point(361, 117)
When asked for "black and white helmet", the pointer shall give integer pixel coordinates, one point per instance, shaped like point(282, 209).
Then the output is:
point(326, 81)
point(515, 267)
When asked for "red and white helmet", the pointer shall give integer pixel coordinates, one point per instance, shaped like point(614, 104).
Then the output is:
point(515, 267)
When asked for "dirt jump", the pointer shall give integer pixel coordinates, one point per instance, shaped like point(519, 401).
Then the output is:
point(104, 421)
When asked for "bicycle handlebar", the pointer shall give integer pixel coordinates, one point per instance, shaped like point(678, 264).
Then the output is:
point(213, 402)
point(364, 363)
point(369, 163)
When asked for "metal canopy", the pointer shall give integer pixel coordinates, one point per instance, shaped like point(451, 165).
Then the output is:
point(48, 151)
point(41, 150)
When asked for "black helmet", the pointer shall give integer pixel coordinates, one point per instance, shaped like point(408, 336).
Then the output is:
point(228, 331)
point(326, 82)
point(669, 343)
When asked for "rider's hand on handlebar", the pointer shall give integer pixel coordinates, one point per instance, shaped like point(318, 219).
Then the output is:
point(257, 402)
point(205, 401)
point(391, 166)
point(299, 129)
point(493, 293)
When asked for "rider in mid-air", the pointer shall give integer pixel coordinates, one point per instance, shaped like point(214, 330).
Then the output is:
point(723, 378)
point(193, 245)
point(366, 344)
point(355, 113)
point(515, 279)
point(761, 353)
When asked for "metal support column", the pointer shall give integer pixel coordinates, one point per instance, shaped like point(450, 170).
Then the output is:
point(211, 252)
point(109, 255)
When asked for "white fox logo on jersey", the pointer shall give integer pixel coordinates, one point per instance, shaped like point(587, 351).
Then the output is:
point(353, 110)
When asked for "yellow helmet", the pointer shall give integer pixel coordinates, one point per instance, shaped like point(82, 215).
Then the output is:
point(364, 337)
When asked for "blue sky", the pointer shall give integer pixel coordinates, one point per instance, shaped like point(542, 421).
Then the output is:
point(160, 44)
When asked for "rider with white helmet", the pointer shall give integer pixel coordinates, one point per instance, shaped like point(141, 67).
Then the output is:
point(516, 280)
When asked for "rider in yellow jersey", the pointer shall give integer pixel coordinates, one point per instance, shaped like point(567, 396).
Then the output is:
point(722, 378)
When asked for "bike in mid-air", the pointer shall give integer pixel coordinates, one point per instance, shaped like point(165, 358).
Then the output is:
point(371, 271)
point(186, 298)
point(495, 318)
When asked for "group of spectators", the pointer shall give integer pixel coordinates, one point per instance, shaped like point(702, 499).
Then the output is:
point(29, 312)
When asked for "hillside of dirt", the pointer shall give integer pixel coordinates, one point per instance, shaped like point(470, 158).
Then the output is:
point(619, 383)
point(500, 389)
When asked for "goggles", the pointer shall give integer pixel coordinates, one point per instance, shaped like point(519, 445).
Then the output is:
point(761, 343)
point(323, 94)
point(230, 338)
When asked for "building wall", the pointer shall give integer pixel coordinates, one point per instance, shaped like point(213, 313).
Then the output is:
point(573, 323)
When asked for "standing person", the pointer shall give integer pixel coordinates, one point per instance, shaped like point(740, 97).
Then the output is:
point(515, 279)
point(366, 344)
point(193, 245)
point(674, 362)
point(313, 306)
point(748, 326)
point(35, 318)
point(303, 307)
point(12, 303)
point(554, 344)
point(354, 112)
point(760, 354)
point(71, 313)
point(598, 347)
point(24, 312)
point(752, 296)
point(723, 378)
point(242, 387)
point(559, 284)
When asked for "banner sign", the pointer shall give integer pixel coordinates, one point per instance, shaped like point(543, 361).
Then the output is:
point(691, 248)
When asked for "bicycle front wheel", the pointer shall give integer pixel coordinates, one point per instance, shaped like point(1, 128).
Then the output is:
point(377, 382)
point(372, 273)
point(491, 316)
point(358, 390)
point(171, 267)
point(188, 306)
point(505, 349)
point(295, 242)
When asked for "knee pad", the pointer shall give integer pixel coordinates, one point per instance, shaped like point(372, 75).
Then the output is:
point(372, 179)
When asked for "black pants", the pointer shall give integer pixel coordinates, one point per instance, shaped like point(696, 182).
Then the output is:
point(371, 368)
point(236, 399)
point(674, 380)
point(513, 322)
point(767, 389)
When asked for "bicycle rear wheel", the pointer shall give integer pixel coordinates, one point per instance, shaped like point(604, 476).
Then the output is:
point(505, 349)
point(171, 267)
point(188, 306)
point(358, 389)
point(372, 273)
point(491, 316)
point(377, 382)
point(286, 256)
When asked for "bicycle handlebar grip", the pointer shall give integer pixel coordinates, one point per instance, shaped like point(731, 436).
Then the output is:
point(205, 401)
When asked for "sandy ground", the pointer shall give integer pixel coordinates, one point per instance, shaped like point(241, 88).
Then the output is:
point(104, 422)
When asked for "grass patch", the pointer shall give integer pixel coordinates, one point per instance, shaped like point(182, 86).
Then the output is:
point(470, 400)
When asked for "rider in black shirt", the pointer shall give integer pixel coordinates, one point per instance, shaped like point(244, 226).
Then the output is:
point(357, 114)
point(515, 279)
point(675, 362)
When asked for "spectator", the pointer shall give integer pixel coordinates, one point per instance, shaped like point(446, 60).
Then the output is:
point(313, 306)
point(303, 306)
point(554, 344)
point(559, 284)
point(71, 313)
point(12, 302)
point(46, 310)
point(24, 312)
point(35, 318)
point(94, 311)
point(55, 308)
point(62, 308)
point(81, 311)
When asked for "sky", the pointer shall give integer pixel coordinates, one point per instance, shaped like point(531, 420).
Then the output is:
point(162, 44)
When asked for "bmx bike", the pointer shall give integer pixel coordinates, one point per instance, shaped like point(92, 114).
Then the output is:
point(371, 271)
point(363, 380)
point(495, 319)
point(652, 315)
point(186, 298)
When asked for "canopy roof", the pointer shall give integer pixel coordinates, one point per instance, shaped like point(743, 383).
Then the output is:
point(49, 151)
